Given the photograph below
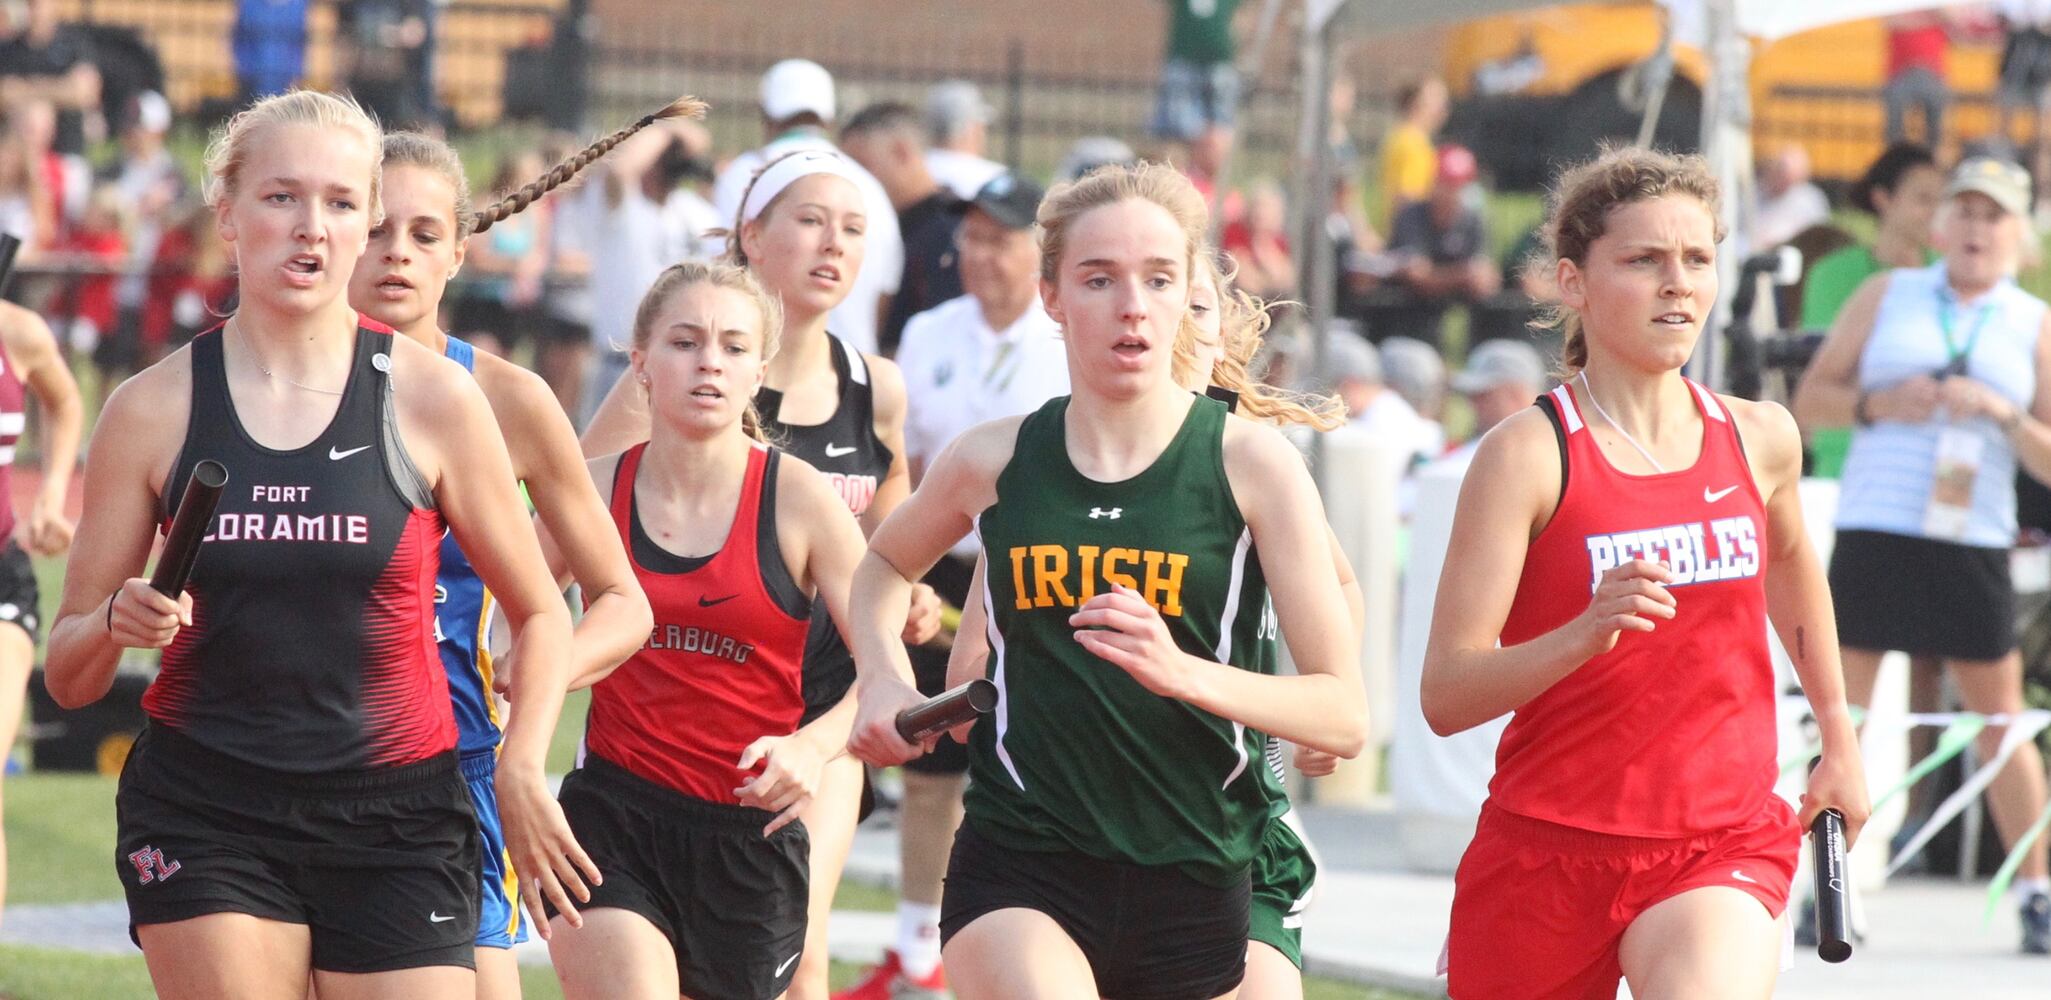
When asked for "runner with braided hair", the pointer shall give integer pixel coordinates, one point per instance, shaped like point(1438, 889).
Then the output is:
point(414, 252)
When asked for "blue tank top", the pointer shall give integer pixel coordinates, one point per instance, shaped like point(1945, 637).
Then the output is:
point(1891, 469)
point(462, 626)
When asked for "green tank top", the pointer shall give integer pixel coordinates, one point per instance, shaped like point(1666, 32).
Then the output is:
point(1078, 756)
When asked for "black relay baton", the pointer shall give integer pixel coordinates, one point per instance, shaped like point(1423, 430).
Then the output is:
point(1833, 931)
point(947, 711)
point(188, 526)
point(9, 246)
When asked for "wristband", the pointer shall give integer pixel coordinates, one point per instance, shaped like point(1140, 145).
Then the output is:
point(1859, 414)
point(110, 615)
point(2015, 420)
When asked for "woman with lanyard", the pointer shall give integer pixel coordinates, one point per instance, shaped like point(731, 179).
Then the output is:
point(1138, 530)
point(800, 232)
point(1944, 374)
point(414, 252)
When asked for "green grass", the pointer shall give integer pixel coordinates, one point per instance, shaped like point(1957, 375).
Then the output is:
point(60, 839)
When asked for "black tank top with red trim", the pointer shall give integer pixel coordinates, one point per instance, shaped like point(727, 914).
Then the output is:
point(311, 647)
point(722, 666)
point(846, 449)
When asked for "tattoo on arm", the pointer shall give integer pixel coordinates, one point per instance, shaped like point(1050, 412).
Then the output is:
point(1801, 644)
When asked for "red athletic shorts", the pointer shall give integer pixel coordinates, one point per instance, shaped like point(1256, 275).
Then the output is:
point(1539, 909)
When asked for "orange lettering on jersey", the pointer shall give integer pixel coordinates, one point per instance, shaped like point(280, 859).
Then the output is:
point(1112, 557)
point(1165, 592)
point(1020, 602)
point(1051, 584)
point(1050, 568)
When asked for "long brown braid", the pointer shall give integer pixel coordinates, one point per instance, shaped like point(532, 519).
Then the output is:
point(512, 204)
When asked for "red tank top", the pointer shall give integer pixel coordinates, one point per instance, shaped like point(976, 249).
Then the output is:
point(721, 669)
point(13, 419)
point(1672, 732)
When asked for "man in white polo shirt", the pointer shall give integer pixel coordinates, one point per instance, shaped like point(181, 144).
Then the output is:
point(991, 353)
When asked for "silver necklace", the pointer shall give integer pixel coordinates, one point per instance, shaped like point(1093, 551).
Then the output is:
point(266, 369)
point(1612, 421)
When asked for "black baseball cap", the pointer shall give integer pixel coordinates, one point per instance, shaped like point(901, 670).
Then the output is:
point(1010, 198)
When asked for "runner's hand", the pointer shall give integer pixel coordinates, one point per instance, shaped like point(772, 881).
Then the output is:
point(791, 767)
point(144, 619)
point(1121, 627)
point(1839, 782)
point(1314, 763)
point(874, 739)
point(1631, 598)
point(546, 856)
point(49, 531)
point(922, 622)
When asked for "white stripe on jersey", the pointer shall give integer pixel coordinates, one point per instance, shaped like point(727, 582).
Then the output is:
point(1232, 597)
point(1710, 404)
point(1565, 398)
point(1002, 716)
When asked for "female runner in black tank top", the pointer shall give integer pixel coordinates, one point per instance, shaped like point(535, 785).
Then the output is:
point(300, 695)
point(800, 234)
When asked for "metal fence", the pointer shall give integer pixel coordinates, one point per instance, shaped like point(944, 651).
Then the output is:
point(496, 59)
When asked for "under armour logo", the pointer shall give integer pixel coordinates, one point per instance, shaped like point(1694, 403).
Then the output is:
point(1097, 512)
point(150, 867)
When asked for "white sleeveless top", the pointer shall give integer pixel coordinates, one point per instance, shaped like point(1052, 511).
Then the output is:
point(1891, 468)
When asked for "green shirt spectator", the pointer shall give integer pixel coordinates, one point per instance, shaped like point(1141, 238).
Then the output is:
point(1200, 31)
point(1833, 279)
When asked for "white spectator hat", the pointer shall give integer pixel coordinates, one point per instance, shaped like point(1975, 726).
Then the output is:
point(952, 105)
point(1500, 362)
point(795, 86)
point(1414, 369)
point(152, 112)
point(1349, 357)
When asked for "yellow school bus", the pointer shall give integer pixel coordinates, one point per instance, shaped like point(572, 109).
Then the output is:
point(1543, 86)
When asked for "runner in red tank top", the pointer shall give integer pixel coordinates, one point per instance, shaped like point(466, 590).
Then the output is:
point(1617, 553)
point(30, 364)
point(696, 769)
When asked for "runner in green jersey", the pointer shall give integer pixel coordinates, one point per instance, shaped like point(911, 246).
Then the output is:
point(1117, 794)
point(1213, 349)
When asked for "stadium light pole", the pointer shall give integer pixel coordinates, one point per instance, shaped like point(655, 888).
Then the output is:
point(1314, 168)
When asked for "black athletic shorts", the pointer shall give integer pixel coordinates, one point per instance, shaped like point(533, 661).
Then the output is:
point(20, 598)
point(380, 865)
point(731, 902)
point(950, 579)
point(1149, 932)
point(1921, 596)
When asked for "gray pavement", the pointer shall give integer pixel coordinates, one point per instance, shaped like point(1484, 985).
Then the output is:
point(1373, 923)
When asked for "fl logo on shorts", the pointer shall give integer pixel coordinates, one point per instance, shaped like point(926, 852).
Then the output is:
point(150, 867)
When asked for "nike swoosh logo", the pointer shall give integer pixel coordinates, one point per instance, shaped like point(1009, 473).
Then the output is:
point(786, 964)
point(336, 455)
point(835, 451)
point(436, 918)
point(705, 602)
point(1712, 497)
point(1742, 877)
